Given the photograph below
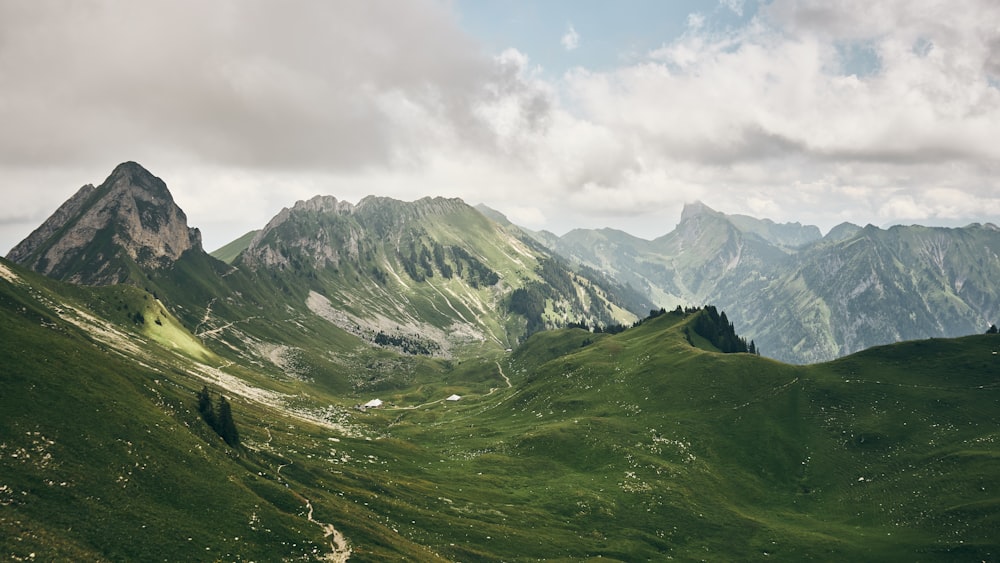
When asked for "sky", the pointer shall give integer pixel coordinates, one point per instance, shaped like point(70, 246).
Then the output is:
point(558, 113)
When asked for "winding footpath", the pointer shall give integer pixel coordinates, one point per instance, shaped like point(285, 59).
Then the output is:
point(503, 375)
point(340, 548)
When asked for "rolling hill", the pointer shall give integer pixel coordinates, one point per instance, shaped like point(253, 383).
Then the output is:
point(644, 444)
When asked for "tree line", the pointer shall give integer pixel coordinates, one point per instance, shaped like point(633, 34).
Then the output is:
point(712, 325)
point(420, 262)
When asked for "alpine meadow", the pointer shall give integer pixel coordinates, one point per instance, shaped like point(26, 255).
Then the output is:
point(427, 381)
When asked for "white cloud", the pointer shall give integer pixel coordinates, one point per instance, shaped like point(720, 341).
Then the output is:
point(768, 109)
point(261, 104)
point(571, 39)
point(736, 6)
point(695, 21)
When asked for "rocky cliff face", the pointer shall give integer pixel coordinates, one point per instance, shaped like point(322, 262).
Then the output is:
point(91, 238)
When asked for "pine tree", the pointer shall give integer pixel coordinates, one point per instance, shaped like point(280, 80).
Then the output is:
point(205, 406)
point(225, 426)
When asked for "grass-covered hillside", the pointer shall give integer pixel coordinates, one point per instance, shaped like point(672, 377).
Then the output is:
point(638, 446)
point(643, 445)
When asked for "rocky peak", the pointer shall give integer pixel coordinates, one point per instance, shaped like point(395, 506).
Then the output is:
point(696, 209)
point(324, 204)
point(132, 212)
point(323, 230)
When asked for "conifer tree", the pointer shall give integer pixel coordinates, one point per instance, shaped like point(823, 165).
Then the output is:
point(225, 426)
point(205, 406)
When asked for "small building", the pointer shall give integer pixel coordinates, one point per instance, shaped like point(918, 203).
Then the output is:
point(454, 398)
point(373, 404)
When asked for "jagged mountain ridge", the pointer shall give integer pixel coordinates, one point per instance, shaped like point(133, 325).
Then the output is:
point(438, 267)
point(419, 277)
point(97, 235)
point(827, 297)
point(427, 274)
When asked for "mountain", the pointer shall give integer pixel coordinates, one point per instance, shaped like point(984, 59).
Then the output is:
point(645, 444)
point(842, 231)
point(211, 410)
point(106, 234)
point(881, 286)
point(424, 276)
point(805, 298)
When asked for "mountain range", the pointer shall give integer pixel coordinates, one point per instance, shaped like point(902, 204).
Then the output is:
point(437, 273)
point(804, 297)
point(388, 381)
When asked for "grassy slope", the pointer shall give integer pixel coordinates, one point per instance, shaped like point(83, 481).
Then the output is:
point(633, 446)
point(106, 458)
point(637, 446)
point(103, 458)
point(228, 252)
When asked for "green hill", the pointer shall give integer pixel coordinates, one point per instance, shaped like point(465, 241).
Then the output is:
point(228, 252)
point(577, 445)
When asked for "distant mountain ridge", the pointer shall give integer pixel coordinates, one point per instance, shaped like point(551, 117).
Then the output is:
point(804, 297)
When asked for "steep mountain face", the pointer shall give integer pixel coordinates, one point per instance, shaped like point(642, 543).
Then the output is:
point(705, 257)
point(422, 276)
point(883, 286)
point(805, 298)
point(102, 233)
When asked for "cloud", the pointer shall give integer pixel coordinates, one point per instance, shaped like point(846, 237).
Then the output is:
point(695, 21)
point(571, 39)
point(246, 106)
point(246, 88)
point(773, 106)
point(735, 6)
point(248, 83)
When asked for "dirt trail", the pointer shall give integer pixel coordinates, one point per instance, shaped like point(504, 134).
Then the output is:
point(205, 319)
point(503, 375)
point(413, 407)
point(340, 549)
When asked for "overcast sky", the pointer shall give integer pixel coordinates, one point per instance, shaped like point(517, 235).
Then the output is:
point(560, 114)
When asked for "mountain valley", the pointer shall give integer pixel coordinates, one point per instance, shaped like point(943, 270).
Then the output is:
point(498, 428)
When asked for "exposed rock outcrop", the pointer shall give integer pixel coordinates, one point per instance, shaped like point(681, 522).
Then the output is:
point(91, 237)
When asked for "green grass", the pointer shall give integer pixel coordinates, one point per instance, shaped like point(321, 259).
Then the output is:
point(635, 446)
point(228, 252)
